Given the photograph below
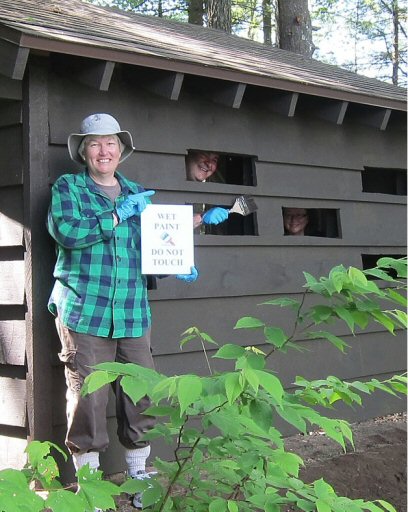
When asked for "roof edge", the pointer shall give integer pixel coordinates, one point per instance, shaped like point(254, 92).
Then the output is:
point(34, 42)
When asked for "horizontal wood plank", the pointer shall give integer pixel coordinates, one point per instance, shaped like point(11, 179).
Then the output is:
point(11, 168)
point(10, 114)
point(11, 216)
point(11, 232)
point(12, 282)
point(10, 89)
point(12, 454)
point(13, 402)
point(12, 342)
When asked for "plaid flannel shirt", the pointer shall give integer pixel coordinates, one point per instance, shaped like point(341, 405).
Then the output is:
point(99, 288)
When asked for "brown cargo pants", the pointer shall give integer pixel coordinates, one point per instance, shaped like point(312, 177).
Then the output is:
point(86, 415)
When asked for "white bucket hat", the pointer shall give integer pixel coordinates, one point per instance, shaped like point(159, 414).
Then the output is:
point(99, 124)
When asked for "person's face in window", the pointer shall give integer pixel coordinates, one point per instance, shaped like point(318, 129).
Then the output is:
point(295, 221)
point(200, 165)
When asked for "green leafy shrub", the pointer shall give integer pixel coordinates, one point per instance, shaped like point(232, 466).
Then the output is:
point(228, 455)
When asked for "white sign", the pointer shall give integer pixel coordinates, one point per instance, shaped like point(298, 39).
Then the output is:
point(167, 239)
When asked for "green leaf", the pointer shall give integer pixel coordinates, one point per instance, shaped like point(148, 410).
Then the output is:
point(248, 322)
point(133, 485)
point(397, 297)
point(306, 506)
point(345, 315)
point(335, 340)
point(338, 277)
point(189, 389)
point(289, 462)
point(310, 280)
point(322, 488)
point(321, 313)
point(376, 272)
point(251, 377)
point(160, 410)
point(13, 477)
point(400, 388)
point(164, 389)
point(383, 320)
point(357, 277)
point(64, 501)
point(232, 506)
point(186, 339)
point(275, 336)
point(360, 318)
point(271, 384)
point(401, 317)
point(206, 337)
point(233, 387)
point(261, 413)
point(152, 494)
point(99, 493)
point(218, 505)
point(230, 351)
point(226, 420)
point(400, 265)
point(361, 386)
point(386, 505)
point(134, 387)
point(282, 302)
point(322, 506)
point(97, 380)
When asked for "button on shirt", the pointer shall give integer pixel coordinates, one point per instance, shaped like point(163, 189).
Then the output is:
point(99, 287)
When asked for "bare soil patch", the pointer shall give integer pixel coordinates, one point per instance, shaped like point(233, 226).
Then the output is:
point(375, 469)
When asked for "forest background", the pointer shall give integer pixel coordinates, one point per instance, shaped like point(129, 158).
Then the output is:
point(368, 37)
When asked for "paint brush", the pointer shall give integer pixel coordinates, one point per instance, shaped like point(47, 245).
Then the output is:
point(244, 205)
point(167, 239)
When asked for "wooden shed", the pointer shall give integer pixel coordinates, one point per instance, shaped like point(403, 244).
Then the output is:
point(290, 131)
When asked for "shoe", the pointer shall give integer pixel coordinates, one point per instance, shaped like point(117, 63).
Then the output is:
point(141, 475)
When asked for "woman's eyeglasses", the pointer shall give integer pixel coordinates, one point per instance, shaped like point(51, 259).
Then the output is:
point(295, 216)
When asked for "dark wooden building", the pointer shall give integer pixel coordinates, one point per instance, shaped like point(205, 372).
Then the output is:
point(289, 131)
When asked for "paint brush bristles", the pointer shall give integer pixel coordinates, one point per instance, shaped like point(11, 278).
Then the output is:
point(244, 205)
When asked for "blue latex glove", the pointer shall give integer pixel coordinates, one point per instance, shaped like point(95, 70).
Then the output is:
point(189, 278)
point(134, 204)
point(215, 215)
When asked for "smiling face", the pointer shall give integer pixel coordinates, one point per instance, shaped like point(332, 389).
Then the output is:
point(295, 220)
point(201, 165)
point(102, 154)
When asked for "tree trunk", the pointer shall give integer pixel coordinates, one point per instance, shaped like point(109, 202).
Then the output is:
point(267, 21)
point(219, 14)
point(395, 57)
point(195, 10)
point(295, 27)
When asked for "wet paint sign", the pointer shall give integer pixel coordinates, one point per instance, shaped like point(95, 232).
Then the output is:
point(167, 239)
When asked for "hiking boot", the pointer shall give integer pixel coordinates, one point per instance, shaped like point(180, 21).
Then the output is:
point(141, 475)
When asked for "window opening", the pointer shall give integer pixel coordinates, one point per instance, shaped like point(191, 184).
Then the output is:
point(370, 261)
point(384, 181)
point(321, 222)
point(236, 224)
point(230, 169)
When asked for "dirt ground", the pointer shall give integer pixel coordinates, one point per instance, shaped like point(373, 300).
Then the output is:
point(376, 469)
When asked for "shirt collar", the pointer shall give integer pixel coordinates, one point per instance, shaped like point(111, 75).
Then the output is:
point(128, 187)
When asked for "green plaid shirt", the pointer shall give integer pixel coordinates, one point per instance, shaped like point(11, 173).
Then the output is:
point(99, 287)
